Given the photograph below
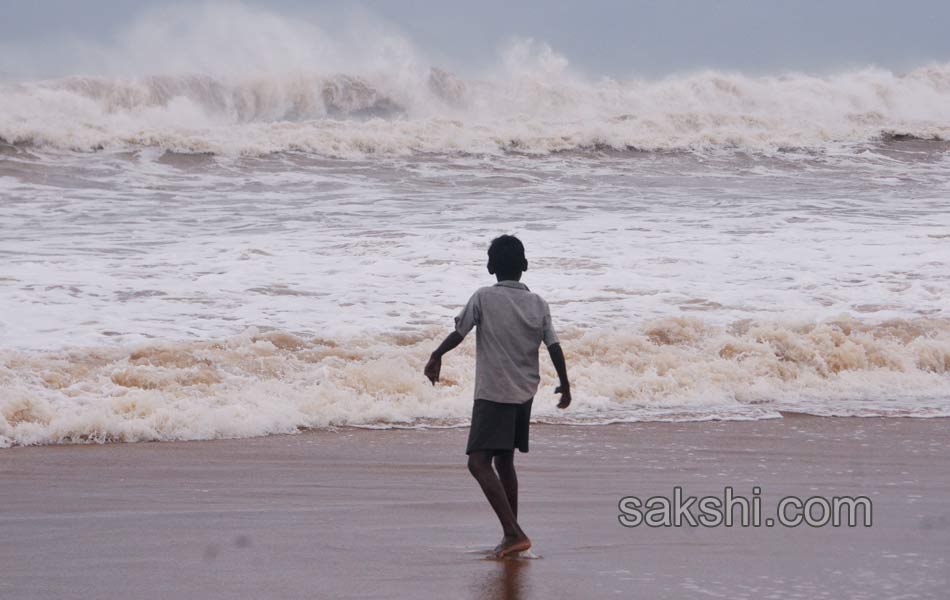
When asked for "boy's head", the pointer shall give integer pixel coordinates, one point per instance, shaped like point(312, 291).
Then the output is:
point(506, 258)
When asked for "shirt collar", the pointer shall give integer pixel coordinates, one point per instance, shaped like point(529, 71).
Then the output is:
point(513, 284)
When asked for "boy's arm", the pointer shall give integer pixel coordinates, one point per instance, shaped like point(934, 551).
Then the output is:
point(557, 357)
point(466, 320)
point(434, 366)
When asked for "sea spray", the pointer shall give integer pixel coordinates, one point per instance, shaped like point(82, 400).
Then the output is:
point(351, 116)
point(233, 80)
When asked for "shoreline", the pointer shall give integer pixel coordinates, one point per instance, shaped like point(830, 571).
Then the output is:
point(357, 513)
point(429, 425)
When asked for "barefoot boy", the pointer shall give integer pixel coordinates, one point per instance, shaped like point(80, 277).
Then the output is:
point(512, 322)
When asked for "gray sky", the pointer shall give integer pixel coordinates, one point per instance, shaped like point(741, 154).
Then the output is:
point(615, 37)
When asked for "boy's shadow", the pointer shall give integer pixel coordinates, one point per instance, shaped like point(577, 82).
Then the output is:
point(505, 580)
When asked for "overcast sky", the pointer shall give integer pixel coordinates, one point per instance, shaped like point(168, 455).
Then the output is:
point(614, 37)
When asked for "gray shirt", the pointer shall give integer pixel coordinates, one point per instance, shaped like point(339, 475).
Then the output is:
point(512, 322)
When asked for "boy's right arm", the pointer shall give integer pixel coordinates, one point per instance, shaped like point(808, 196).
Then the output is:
point(434, 366)
point(470, 316)
point(557, 357)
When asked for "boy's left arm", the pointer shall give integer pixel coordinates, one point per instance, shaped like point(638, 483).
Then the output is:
point(557, 357)
point(550, 339)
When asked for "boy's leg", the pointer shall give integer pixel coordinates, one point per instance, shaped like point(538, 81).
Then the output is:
point(480, 465)
point(505, 465)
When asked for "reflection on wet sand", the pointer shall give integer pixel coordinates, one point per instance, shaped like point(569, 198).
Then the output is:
point(503, 580)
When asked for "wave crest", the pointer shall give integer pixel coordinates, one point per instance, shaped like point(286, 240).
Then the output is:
point(230, 79)
point(351, 115)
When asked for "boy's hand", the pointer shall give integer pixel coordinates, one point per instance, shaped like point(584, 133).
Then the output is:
point(433, 368)
point(557, 357)
point(565, 392)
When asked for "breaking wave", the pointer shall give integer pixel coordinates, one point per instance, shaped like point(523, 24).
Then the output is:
point(260, 383)
point(345, 115)
point(234, 81)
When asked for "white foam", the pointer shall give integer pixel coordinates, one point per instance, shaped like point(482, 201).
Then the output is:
point(698, 112)
point(239, 81)
point(274, 382)
point(107, 250)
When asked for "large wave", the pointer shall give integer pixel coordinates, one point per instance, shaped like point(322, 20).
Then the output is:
point(346, 115)
point(260, 383)
point(229, 80)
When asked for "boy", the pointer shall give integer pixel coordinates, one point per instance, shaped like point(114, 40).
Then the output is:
point(512, 322)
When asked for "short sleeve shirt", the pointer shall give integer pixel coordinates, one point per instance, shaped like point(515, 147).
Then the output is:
point(511, 322)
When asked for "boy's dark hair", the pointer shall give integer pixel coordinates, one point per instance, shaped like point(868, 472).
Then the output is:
point(506, 256)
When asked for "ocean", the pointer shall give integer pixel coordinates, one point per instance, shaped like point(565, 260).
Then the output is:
point(222, 255)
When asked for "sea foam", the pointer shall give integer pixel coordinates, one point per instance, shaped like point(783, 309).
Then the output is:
point(236, 81)
point(346, 115)
point(259, 383)
point(142, 232)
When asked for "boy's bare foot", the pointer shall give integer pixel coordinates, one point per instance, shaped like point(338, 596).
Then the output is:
point(511, 545)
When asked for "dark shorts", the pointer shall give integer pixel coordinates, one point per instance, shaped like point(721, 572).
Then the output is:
point(499, 426)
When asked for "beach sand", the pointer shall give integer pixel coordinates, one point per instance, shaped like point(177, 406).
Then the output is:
point(394, 514)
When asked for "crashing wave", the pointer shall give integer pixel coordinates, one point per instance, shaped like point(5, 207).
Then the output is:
point(289, 99)
point(438, 112)
point(260, 383)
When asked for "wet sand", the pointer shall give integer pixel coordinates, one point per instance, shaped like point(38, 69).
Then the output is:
point(394, 514)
